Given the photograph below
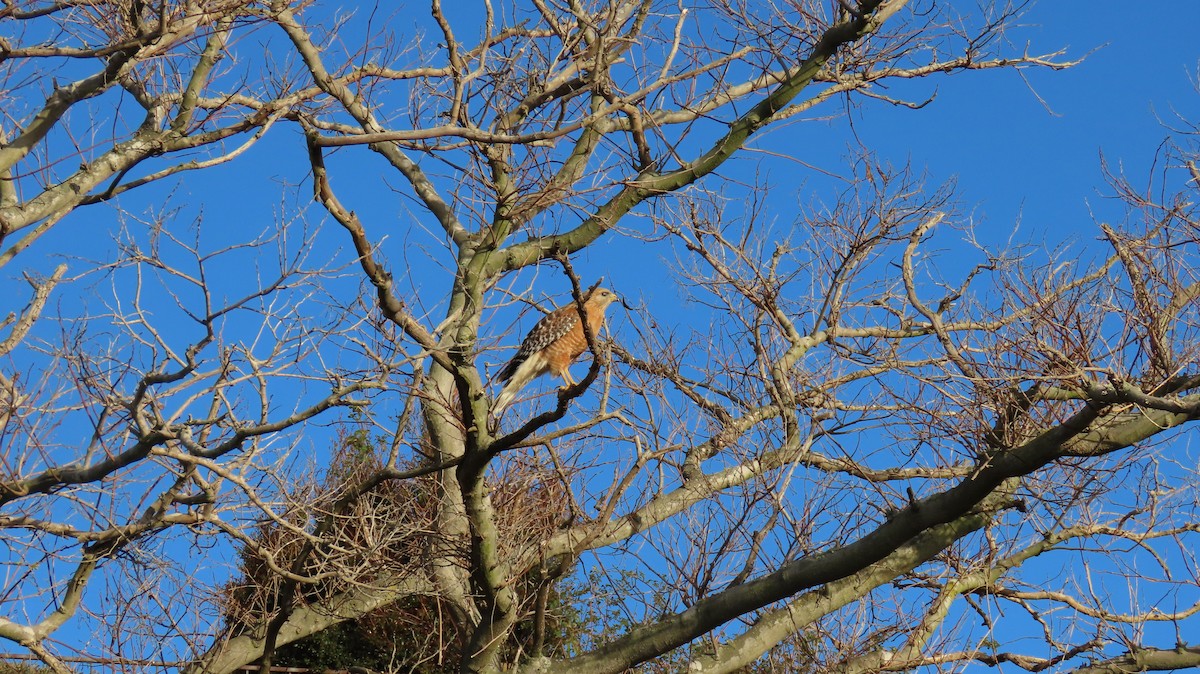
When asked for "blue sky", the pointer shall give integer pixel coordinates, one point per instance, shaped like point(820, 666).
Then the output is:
point(1016, 156)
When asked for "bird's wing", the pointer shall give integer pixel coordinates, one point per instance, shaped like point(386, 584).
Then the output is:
point(551, 328)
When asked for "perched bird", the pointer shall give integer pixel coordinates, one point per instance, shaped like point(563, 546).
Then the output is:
point(553, 344)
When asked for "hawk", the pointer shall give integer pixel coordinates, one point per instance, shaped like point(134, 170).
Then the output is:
point(553, 344)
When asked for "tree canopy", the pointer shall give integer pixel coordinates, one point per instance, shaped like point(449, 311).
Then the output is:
point(838, 427)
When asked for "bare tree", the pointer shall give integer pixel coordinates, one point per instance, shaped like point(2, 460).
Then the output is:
point(852, 454)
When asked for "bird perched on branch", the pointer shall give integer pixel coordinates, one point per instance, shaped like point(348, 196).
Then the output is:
point(553, 344)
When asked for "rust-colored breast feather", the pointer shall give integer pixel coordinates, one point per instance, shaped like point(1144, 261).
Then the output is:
point(563, 351)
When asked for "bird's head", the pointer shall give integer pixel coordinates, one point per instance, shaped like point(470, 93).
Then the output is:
point(602, 297)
